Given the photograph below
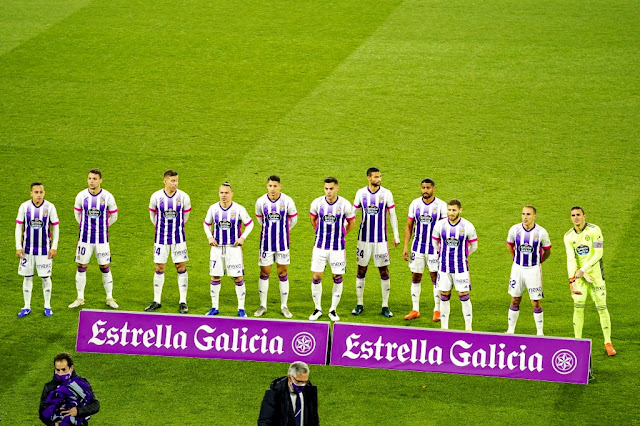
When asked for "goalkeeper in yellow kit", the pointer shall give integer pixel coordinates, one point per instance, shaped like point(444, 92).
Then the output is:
point(584, 245)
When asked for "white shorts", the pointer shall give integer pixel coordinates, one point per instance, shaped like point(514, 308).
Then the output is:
point(41, 263)
point(379, 251)
point(178, 253)
point(85, 250)
point(226, 258)
point(266, 258)
point(529, 278)
point(418, 261)
point(460, 280)
point(337, 259)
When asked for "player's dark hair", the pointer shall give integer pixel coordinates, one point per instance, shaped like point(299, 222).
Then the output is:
point(36, 184)
point(170, 172)
point(455, 202)
point(428, 180)
point(96, 172)
point(273, 178)
point(331, 179)
point(529, 206)
point(372, 170)
point(226, 183)
point(63, 356)
point(577, 208)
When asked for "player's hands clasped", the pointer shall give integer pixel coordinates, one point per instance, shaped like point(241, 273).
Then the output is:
point(213, 242)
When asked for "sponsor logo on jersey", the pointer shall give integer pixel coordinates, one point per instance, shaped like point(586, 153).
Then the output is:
point(525, 248)
point(582, 250)
point(93, 212)
point(36, 223)
point(452, 242)
point(224, 224)
point(425, 218)
point(274, 216)
point(169, 214)
point(329, 218)
point(372, 209)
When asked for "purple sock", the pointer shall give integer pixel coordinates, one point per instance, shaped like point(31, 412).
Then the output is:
point(80, 269)
point(241, 282)
point(104, 271)
point(384, 277)
point(537, 310)
point(316, 281)
point(264, 277)
point(285, 277)
point(514, 308)
point(337, 280)
point(445, 297)
point(465, 298)
point(215, 282)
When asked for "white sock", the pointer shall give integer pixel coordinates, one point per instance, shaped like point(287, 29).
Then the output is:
point(335, 297)
point(284, 293)
point(46, 291)
point(360, 291)
point(467, 312)
point(513, 320)
point(183, 286)
point(316, 294)
point(539, 319)
point(445, 308)
point(215, 293)
point(385, 286)
point(416, 288)
point(263, 288)
point(107, 282)
point(240, 292)
point(27, 289)
point(436, 297)
point(81, 283)
point(158, 283)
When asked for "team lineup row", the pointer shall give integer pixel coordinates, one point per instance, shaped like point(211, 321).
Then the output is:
point(436, 238)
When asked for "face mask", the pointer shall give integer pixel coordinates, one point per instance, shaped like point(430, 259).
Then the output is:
point(297, 388)
point(63, 377)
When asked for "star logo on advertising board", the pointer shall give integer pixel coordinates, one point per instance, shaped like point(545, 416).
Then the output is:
point(303, 343)
point(564, 361)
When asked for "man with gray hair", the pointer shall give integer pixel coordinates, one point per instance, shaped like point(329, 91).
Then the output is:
point(291, 400)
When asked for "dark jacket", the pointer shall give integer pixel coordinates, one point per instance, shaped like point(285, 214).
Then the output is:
point(92, 407)
point(277, 409)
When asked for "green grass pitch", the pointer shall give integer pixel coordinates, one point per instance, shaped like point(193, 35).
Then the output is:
point(502, 102)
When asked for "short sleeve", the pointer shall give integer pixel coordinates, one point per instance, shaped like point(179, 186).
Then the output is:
point(443, 210)
point(20, 218)
point(78, 204)
point(545, 241)
point(186, 203)
point(389, 200)
point(437, 229)
point(208, 219)
point(153, 206)
point(111, 204)
point(412, 211)
point(511, 236)
point(244, 216)
point(356, 202)
point(291, 210)
point(53, 215)
point(471, 234)
point(349, 211)
point(313, 209)
point(258, 209)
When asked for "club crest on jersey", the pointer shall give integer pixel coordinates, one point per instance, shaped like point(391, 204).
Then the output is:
point(274, 216)
point(36, 223)
point(536, 238)
point(425, 218)
point(93, 212)
point(329, 218)
point(178, 202)
point(372, 209)
point(102, 202)
point(452, 242)
point(525, 248)
point(281, 206)
point(170, 214)
point(582, 250)
point(224, 224)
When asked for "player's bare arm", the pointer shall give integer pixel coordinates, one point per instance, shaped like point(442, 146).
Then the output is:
point(408, 232)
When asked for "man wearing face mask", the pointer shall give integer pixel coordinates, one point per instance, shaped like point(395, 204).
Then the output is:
point(68, 398)
point(291, 400)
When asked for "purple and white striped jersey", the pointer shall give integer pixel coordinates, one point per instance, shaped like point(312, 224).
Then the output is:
point(227, 222)
point(275, 216)
point(95, 211)
point(332, 217)
point(374, 207)
point(528, 244)
point(425, 216)
point(454, 244)
point(170, 216)
point(37, 222)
